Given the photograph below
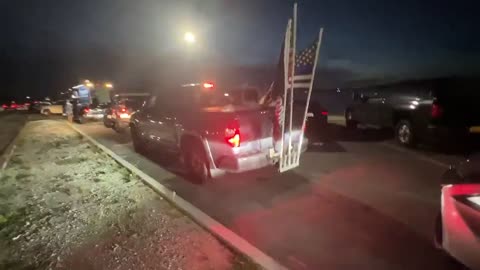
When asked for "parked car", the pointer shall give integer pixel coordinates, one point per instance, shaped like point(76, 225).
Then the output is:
point(317, 116)
point(428, 110)
point(14, 106)
point(457, 228)
point(56, 107)
point(37, 105)
point(117, 115)
point(91, 113)
point(212, 133)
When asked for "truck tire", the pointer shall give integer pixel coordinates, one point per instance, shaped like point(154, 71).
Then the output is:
point(349, 122)
point(117, 128)
point(404, 133)
point(138, 143)
point(196, 162)
point(106, 122)
point(46, 112)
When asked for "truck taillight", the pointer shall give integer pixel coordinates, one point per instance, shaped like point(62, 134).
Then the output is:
point(86, 110)
point(437, 110)
point(232, 135)
point(324, 113)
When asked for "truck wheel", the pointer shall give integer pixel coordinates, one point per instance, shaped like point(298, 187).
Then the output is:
point(46, 112)
point(349, 122)
point(117, 128)
point(404, 133)
point(138, 144)
point(196, 162)
point(106, 122)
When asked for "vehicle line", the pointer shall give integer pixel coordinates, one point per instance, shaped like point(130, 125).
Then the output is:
point(222, 233)
point(416, 155)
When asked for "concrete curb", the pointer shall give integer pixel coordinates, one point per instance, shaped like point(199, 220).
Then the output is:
point(224, 234)
point(10, 149)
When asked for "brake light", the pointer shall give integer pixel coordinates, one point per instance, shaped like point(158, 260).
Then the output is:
point(4, 106)
point(123, 110)
point(27, 104)
point(13, 106)
point(324, 113)
point(208, 85)
point(437, 110)
point(86, 110)
point(232, 135)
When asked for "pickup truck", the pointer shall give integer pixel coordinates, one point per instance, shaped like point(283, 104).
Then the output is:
point(434, 110)
point(212, 133)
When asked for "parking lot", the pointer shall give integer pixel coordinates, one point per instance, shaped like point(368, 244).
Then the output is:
point(357, 201)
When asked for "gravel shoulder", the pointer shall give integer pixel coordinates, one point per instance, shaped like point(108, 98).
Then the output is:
point(66, 205)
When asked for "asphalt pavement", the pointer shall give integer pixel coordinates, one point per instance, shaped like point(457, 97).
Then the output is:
point(357, 201)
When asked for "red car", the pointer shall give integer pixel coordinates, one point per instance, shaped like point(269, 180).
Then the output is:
point(457, 229)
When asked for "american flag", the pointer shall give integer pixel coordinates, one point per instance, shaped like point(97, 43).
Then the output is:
point(304, 64)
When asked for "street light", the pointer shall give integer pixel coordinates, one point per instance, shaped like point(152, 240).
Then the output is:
point(109, 85)
point(189, 37)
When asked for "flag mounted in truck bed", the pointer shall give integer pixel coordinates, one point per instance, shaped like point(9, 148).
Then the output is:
point(304, 65)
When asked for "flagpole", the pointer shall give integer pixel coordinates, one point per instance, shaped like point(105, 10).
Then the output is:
point(320, 35)
point(294, 45)
point(285, 85)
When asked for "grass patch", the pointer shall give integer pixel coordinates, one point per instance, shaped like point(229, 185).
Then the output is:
point(15, 160)
point(72, 160)
point(4, 178)
point(21, 176)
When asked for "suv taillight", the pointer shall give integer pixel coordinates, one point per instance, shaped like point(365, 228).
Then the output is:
point(437, 110)
point(232, 135)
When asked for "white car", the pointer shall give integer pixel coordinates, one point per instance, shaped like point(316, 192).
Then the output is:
point(54, 108)
point(458, 226)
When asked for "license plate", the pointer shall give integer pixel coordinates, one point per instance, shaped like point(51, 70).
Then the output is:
point(475, 129)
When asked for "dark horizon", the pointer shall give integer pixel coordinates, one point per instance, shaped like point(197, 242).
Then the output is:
point(51, 45)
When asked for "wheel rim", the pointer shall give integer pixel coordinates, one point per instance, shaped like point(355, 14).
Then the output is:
point(404, 133)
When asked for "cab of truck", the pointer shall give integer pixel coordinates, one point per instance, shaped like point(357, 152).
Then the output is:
point(425, 110)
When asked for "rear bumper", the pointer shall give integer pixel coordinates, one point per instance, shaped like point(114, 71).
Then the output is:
point(93, 116)
point(239, 164)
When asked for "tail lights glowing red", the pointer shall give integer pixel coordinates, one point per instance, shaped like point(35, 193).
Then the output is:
point(232, 134)
point(208, 85)
point(123, 110)
point(4, 106)
point(86, 110)
point(437, 110)
point(324, 113)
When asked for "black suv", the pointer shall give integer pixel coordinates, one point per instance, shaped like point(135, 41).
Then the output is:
point(427, 110)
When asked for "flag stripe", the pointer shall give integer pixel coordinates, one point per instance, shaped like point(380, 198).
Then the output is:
point(300, 85)
point(303, 77)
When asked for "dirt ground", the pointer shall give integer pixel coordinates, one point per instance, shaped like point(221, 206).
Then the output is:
point(66, 205)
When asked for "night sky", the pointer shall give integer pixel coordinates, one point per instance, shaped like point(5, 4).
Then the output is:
point(47, 46)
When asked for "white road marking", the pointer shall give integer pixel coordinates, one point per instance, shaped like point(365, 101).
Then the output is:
point(416, 155)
